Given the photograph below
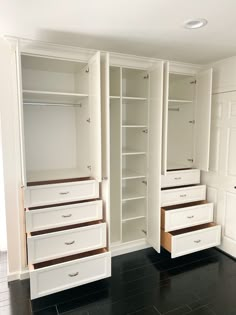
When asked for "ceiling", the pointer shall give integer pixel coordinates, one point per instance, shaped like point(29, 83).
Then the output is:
point(152, 28)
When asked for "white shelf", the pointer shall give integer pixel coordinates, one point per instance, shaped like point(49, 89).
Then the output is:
point(129, 174)
point(130, 151)
point(133, 126)
point(126, 196)
point(130, 98)
point(114, 97)
point(180, 101)
point(50, 96)
point(42, 175)
point(132, 218)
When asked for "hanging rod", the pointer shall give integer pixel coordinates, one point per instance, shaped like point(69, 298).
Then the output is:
point(53, 104)
point(174, 109)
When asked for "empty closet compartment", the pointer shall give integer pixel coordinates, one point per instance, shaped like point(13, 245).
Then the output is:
point(185, 215)
point(133, 209)
point(134, 141)
point(190, 240)
point(50, 244)
point(134, 83)
point(61, 118)
point(115, 82)
point(68, 272)
point(134, 113)
point(186, 119)
point(51, 217)
point(133, 230)
point(134, 189)
point(134, 166)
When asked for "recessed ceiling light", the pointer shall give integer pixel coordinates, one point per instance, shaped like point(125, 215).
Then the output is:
point(196, 23)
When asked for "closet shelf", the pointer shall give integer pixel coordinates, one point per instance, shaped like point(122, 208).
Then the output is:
point(114, 97)
point(179, 101)
point(132, 196)
point(132, 218)
point(130, 151)
point(125, 125)
point(50, 96)
point(130, 98)
point(129, 174)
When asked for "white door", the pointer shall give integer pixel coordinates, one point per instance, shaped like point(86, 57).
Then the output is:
point(95, 117)
point(221, 178)
point(105, 138)
point(165, 118)
point(202, 120)
point(154, 155)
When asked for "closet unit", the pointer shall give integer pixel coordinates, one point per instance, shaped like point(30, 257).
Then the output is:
point(133, 96)
point(186, 217)
point(66, 210)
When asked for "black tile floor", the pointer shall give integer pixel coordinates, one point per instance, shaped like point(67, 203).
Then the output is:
point(142, 283)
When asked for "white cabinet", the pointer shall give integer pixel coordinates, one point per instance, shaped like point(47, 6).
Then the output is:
point(186, 119)
point(133, 98)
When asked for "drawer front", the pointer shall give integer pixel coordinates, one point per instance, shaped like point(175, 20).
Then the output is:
point(186, 217)
point(64, 243)
point(67, 275)
point(180, 178)
point(176, 196)
point(59, 193)
point(48, 218)
point(194, 241)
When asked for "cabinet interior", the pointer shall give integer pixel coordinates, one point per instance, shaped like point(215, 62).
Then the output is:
point(128, 153)
point(181, 105)
point(56, 118)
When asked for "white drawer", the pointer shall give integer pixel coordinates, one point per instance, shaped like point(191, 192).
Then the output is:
point(176, 196)
point(190, 240)
point(50, 278)
point(186, 215)
point(48, 218)
point(180, 178)
point(48, 246)
point(58, 193)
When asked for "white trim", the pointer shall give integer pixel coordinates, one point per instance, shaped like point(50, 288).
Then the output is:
point(126, 248)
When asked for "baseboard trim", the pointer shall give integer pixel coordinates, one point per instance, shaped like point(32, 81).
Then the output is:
point(13, 276)
point(125, 248)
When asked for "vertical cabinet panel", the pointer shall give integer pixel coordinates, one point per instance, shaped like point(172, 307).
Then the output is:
point(154, 156)
point(203, 119)
point(165, 118)
point(95, 116)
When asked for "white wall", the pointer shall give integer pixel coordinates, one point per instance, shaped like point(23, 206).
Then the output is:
point(11, 160)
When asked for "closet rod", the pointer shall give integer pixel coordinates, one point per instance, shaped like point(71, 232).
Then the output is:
point(52, 104)
point(174, 109)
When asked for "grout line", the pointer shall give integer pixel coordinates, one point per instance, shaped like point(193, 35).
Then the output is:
point(156, 309)
point(57, 309)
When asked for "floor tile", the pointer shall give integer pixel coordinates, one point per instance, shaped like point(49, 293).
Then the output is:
point(179, 311)
point(47, 311)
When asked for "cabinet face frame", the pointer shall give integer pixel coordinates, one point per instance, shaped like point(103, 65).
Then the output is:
point(203, 91)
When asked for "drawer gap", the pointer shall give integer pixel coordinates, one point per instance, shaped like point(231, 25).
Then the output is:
point(63, 228)
point(192, 229)
point(181, 169)
point(179, 187)
point(66, 259)
point(63, 204)
point(185, 205)
point(59, 181)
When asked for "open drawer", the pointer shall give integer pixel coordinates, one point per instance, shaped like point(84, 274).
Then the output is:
point(59, 243)
point(186, 215)
point(175, 196)
point(190, 240)
point(180, 178)
point(64, 273)
point(55, 216)
point(42, 195)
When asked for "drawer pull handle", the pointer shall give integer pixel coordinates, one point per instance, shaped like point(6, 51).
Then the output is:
point(178, 178)
point(197, 241)
point(183, 195)
point(64, 193)
point(73, 274)
point(67, 215)
point(190, 217)
point(69, 243)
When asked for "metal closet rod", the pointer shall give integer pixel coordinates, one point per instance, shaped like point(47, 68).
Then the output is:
point(52, 104)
